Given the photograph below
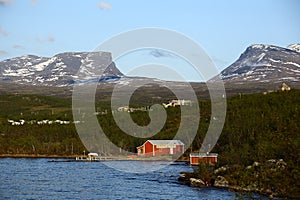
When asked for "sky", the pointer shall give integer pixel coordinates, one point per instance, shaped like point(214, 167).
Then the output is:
point(224, 29)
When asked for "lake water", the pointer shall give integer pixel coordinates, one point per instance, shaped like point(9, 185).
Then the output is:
point(40, 179)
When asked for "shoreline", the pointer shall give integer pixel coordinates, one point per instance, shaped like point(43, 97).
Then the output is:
point(35, 156)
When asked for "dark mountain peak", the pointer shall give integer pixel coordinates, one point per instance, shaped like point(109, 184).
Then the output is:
point(268, 48)
point(264, 63)
point(59, 70)
point(263, 47)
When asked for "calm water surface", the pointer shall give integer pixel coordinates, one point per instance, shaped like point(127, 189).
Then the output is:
point(40, 179)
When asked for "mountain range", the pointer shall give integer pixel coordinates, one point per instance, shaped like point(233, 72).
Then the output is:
point(258, 64)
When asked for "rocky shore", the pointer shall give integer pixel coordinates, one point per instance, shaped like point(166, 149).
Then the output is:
point(266, 178)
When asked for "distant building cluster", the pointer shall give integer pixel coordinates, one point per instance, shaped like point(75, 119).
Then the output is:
point(41, 122)
point(177, 102)
point(284, 87)
point(171, 103)
point(128, 109)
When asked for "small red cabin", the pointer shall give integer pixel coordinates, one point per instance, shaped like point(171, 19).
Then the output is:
point(195, 158)
point(160, 147)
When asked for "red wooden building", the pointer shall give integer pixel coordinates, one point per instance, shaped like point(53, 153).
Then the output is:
point(195, 158)
point(160, 147)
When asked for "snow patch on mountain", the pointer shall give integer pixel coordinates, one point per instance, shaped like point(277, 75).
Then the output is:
point(294, 47)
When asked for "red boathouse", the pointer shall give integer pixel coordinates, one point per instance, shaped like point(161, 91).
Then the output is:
point(161, 147)
point(195, 158)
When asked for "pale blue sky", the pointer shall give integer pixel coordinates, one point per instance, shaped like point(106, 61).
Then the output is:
point(223, 28)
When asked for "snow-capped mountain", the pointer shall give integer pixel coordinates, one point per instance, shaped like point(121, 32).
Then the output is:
point(265, 64)
point(258, 64)
point(294, 47)
point(59, 70)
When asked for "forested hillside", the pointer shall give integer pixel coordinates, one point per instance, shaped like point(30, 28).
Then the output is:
point(257, 127)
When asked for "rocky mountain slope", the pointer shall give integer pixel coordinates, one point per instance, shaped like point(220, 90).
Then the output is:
point(265, 64)
point(59, 70)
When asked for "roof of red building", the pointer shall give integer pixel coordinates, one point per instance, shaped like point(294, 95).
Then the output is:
point(160, 142)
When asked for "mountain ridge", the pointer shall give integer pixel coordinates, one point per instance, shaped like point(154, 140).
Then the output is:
point(264, 64)
point(59, 70)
